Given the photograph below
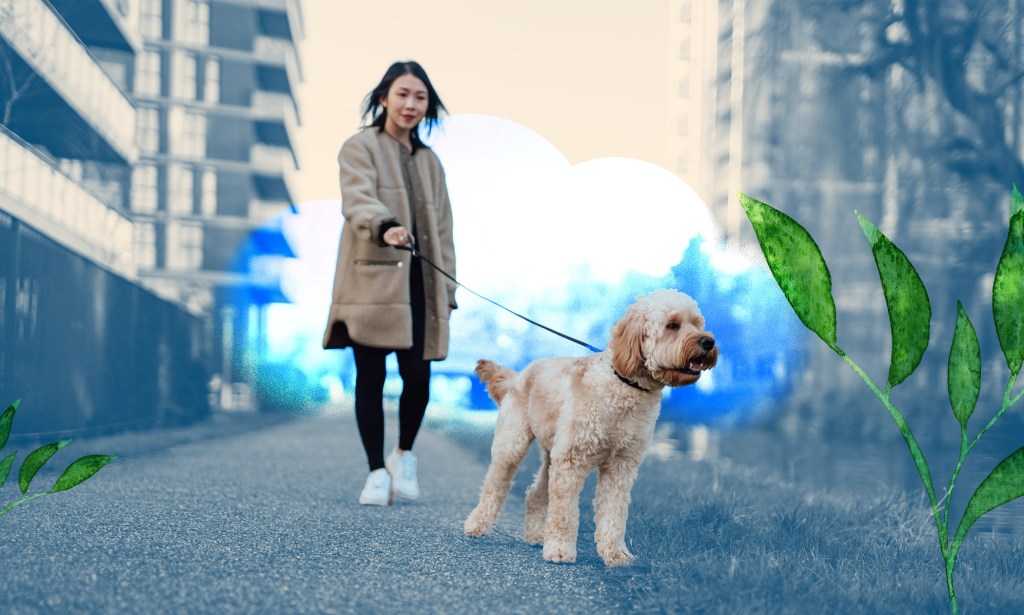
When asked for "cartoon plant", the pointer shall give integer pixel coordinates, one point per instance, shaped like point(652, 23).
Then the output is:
point(800, 270)
point(74, 475)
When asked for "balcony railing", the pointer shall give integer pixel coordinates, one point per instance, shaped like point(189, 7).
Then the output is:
point(277, 105)
point(270, 160)
point(278, 52)
point(44, 197)
point(43, 40)
point(261, 211)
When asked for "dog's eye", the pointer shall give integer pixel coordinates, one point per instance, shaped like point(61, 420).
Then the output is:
point(672, 325)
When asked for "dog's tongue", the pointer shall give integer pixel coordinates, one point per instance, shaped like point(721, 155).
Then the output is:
point(696, 367)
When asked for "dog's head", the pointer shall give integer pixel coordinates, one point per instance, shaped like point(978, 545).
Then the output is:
point(662, 336)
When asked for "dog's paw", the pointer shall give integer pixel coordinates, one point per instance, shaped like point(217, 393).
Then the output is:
point(619, 556)
point(559, 552)
point(533, 538)
point(475, 527)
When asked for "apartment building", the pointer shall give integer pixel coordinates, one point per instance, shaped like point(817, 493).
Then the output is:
point(81, 341)
point(215, 88)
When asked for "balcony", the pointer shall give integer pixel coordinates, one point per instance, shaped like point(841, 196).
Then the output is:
point(42, 39)
point(276, 118)
point(291, 8)
point(111, 24)
point(279, 62)
point(34, 190)
point(261, 211)
point(273, 168)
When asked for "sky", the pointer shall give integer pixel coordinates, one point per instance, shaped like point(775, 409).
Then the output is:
point(589, 76)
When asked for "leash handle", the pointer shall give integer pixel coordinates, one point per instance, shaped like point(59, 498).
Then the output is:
point(417, 254)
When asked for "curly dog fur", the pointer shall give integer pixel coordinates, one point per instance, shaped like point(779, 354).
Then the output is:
point(584, 416)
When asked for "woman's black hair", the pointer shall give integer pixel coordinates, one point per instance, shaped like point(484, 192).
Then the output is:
point(376, 112)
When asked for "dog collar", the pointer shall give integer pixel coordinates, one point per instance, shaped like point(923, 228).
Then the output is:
point(632, 383)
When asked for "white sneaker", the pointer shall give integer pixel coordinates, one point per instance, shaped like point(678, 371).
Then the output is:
point(378, 488)
point(402, 467)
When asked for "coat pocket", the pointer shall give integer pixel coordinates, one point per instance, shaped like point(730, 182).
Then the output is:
point(378, 281)
point(374, 263)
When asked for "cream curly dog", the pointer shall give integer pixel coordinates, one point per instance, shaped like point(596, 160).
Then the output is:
point(592, 412)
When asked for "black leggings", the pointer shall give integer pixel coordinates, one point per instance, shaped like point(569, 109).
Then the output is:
point(415, 373)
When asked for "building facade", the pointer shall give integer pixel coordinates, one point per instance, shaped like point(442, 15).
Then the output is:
point(824, 109)
point(215, 87)
point(82, 343)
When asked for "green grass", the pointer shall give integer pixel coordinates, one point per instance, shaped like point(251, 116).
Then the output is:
point(719, 537)
point(714, 537)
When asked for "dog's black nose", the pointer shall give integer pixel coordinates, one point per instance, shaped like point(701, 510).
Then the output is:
point(707, 342)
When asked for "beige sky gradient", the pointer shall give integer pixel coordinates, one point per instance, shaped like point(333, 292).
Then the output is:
point(587, 75)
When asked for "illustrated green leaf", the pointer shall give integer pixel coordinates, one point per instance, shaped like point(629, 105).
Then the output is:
point(5, 467)
point(1004, 484)
point(796, 262)
point(963, 373)
point(80, 470)
point(1008, 292)
point(35, 460)
point(1017, 202)
point(910, 313)
point(5, 422)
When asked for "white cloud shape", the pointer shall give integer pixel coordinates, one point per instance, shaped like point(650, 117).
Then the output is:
point(525, 218)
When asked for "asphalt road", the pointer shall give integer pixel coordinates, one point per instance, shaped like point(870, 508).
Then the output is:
point(260, 515)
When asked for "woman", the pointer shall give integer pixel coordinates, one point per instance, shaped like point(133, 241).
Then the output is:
point(393, 194)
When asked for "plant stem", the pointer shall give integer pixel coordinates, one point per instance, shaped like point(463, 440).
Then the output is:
point(915, 451)
point(952, 550)
point(950, 564)
point(1007, 403)
point(27, 498)
point(964, 449)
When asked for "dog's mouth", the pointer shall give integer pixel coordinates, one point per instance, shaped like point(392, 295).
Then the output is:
point(693, 368)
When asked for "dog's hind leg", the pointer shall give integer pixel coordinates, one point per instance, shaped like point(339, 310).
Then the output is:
point(537, 501)
point(512, 438)
point(611, 506)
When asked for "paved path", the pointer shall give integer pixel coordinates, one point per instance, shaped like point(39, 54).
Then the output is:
point(260, 516)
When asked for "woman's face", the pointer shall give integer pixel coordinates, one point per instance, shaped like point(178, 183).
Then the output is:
point(406, 102)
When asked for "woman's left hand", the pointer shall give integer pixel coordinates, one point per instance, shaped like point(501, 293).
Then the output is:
point(397, 236)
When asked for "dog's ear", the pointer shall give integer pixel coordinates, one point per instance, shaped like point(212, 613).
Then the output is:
point(626, 343)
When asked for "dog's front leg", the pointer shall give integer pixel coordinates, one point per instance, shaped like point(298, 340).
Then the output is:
point(611, 507)
point(565, 481)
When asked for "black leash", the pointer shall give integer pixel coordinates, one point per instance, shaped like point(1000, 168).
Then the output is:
point(416, 253)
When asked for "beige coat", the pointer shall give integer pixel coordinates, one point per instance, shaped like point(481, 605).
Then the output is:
point(371, 282)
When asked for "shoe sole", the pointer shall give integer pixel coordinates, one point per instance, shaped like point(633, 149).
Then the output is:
point(370, 502)
point(404, 496)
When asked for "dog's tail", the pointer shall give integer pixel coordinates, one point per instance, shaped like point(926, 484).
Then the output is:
point(497, 378)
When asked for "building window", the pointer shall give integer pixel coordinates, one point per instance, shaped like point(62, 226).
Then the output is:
point(684, 48)
point(179, 189)
point(195, 22)
point(208, 198)
point(188, 132)
point(144, 188)
point(685, 11)
point(144, 245)
point(682, 164)
point(185, 75)
point(184, 245)
point(151, 19)
point(147, 74)
point(211, 81)
point(147, 129)
point(684, 124)
point(195, 135)
point(684, 85)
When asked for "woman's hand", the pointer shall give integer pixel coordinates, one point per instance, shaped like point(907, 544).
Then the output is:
point(397, 236)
